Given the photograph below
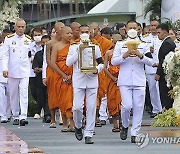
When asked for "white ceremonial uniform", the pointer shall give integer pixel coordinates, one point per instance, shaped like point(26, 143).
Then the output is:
point(16, 62)
point(103, 109)
point(132, 83)
point(84, 85)
point(44, 64)
point(153, 41)
point(34, 48)
point(5, 110)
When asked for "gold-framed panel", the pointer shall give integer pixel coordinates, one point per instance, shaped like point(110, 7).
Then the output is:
point(87, 58)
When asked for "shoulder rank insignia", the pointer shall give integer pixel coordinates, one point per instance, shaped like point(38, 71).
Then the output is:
point(0, 44)
point(10, 35)
point(29, 37)
point(145, 35)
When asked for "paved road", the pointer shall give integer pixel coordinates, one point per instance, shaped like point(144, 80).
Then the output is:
point(53, 141)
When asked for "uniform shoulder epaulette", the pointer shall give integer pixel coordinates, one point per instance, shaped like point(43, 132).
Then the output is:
point(27, 36)
point(0, 44)
point(145, 35)
point(10, 35)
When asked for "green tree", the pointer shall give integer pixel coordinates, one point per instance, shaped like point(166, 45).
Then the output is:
point(153, 6)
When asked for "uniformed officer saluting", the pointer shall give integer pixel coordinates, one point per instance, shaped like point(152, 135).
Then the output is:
point(16, 67)
point(131, 80)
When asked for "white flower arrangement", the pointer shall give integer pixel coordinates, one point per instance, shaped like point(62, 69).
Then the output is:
point(171, 68)
point(9, 12)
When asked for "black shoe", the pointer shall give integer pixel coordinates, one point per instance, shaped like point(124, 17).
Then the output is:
point(9, 119)
point(88, 140)
point(26, 122)
point(103, 122)
point(4, 121)
point(133, 139)
point(22, 122)
point(16, 122)
point(153, 115)
point(78, 133)
point(48, 119)
point(123, 133)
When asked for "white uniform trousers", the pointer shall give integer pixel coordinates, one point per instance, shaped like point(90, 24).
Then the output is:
point(103, 109)
point(154, 93)
point(5, 111)
point(78, 105)
point(132, 97)
point(18, 88)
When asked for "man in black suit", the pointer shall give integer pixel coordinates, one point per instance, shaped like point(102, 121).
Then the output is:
point(167, 46)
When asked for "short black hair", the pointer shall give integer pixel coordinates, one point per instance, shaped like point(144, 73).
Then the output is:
point(46, 37)
point(106, 30)
point(84, 25)
point(131, 21)
point(163, 26)
point(154, 20)
point(37, 29)
point(120, 25)
point(139, 24)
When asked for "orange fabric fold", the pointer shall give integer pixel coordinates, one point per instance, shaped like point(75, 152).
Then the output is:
point(52, 95)
point(105, 45)
point(64, 90)
point(113, 92)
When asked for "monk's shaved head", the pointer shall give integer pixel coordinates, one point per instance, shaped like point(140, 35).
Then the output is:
point(75, 29)
point(66, 33)
point(94, 29)
point(75, 25)
point(66, 29)
point(58, 26)
point(94, 24)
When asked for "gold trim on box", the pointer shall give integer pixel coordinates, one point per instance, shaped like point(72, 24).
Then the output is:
point(91, 69)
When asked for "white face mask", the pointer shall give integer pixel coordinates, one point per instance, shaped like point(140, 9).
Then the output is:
point(84, 36)
point(37, 38)
point(132, 33)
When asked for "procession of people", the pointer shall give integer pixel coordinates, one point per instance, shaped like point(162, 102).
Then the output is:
point(87, 73)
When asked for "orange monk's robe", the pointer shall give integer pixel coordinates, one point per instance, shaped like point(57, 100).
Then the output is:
point(64, 90)
point(105, 45)
point(52, 96)
point(113, 92)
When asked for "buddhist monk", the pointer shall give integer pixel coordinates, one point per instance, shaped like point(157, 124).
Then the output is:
point(105, 45)
point(51, 75)
point(75, 30)
point(63, 81)
point(113, 93)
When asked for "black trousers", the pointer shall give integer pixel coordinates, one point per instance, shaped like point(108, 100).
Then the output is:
point(166, 100)
point(147, 98)
point(33, 85)
point(42, 101)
